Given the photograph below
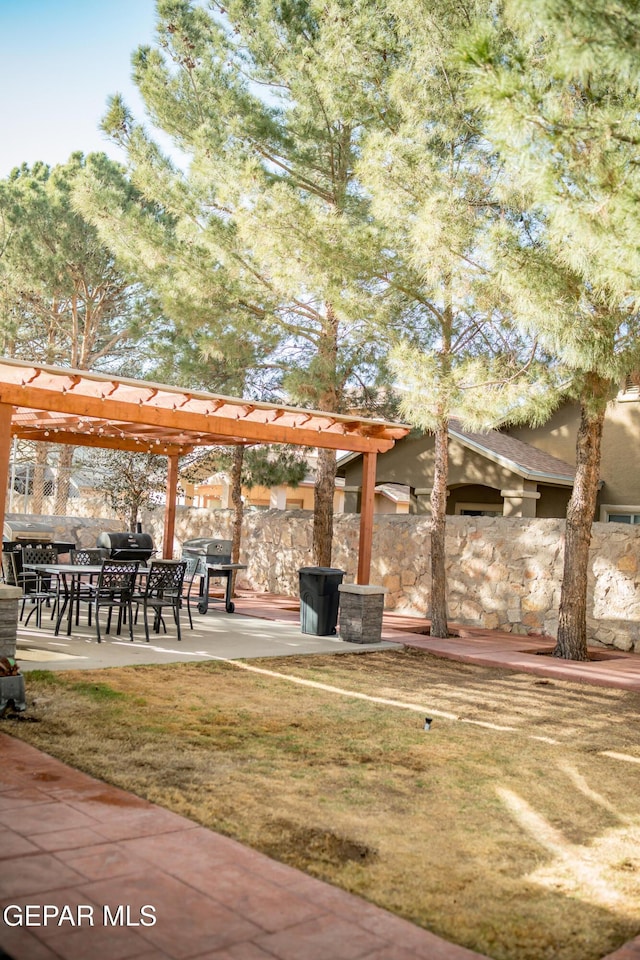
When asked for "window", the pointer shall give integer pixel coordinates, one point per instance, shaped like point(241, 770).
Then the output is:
point(479, 509)
point(614, 513)
point(630, 390)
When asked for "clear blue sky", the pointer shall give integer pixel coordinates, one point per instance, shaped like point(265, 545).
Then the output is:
point(59, 61)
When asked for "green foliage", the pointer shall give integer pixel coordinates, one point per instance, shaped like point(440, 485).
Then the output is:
point(63, 299)
point(131, 482)
point(559, 86)
point(264, 466)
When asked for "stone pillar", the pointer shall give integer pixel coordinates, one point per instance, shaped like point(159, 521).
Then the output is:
point(9, 600)
point(361, 607)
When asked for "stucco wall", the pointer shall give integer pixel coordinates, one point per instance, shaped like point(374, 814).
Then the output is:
point(501, 572)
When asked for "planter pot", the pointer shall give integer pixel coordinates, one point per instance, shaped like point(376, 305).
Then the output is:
point(12, 692)
point(361, 609)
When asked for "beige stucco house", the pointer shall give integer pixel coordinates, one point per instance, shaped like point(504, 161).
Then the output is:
point(519, 472)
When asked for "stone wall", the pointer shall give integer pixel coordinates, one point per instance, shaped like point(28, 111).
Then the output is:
point(501, 572)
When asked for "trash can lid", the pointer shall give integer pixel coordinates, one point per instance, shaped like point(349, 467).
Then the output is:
point(320, 570)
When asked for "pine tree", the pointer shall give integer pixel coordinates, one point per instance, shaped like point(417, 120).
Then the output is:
point(63, 298)
point(252, 233)
point(558, 82)
point(429, 174)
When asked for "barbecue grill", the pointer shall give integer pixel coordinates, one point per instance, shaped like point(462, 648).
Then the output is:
point(215, 562)
point(18, 534)
point(126, 546)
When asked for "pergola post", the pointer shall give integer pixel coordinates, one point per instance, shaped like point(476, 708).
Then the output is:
point(366, 516)
point(6, 413)
point(170, 507)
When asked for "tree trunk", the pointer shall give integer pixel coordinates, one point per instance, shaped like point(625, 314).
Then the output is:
point(238, 508)
point(572, 625)
point(323, 513)
point(438, 530)
point(325, 483)
point(63, 481)
point(39, 476)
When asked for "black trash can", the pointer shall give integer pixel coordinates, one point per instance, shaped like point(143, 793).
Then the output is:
point(319, 599)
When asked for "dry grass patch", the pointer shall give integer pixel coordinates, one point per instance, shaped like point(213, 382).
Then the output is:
point(505, 828)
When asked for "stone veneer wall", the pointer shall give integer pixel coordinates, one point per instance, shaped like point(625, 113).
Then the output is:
point(501, 572)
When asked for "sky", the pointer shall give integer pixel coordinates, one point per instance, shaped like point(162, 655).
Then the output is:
point(59, 62)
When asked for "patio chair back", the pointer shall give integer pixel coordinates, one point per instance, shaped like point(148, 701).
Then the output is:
point(87, 556)
point(30, 580)
point(117, 577)
point(163, 589)
point(114, 590)
point(165, 579)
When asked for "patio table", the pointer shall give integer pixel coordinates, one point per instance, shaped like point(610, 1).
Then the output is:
point(74, 572)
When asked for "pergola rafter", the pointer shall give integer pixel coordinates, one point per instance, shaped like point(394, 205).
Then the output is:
point(58, 405)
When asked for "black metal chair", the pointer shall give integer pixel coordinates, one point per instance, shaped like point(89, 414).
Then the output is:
point(86, 557)
point(192, 570)
point(37, 587)
point(162, 589)
point(114, 590)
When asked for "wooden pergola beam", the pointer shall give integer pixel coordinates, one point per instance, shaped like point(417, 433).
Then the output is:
point(366, 517)
point(6, 412)
point(94, 410)
point(107, 443)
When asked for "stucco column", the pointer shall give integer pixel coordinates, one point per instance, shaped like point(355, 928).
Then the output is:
point(351, 498)
point(278, 498)
point(520, 502)
point(225, 495)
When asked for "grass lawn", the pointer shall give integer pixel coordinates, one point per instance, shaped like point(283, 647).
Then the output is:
point(512, 826)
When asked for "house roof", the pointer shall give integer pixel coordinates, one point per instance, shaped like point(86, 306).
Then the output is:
point(393, 492)
point(522, 458)
point(90, 409)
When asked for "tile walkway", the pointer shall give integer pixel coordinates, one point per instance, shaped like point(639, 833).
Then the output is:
point(67, 840)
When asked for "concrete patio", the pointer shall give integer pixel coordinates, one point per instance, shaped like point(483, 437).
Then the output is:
point(267, 625)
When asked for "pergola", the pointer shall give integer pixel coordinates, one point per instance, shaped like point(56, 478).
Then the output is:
point(60, 405)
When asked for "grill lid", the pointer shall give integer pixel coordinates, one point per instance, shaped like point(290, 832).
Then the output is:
point(208, 550)
point(27, 530)
point(125, 541)
point(208, 546)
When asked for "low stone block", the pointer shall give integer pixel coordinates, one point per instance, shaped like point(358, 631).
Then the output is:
point(9, 598)
point(361, 608)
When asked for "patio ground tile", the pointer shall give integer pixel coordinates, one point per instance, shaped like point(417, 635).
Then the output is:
point(240, 951)
point(21, 944)
point(68, 839)
point(64, 897)
point(98, 943)
point(30, 820)
point(33, 875)
point(188, 922)
point(320, 939)
point(101, 861)
point(22, 796)
point(13, 845)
